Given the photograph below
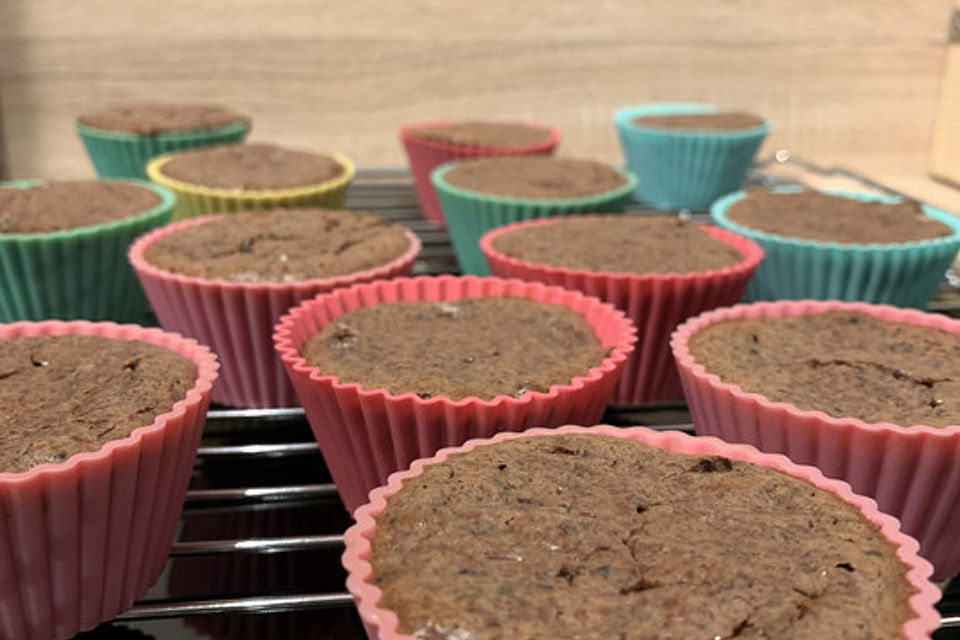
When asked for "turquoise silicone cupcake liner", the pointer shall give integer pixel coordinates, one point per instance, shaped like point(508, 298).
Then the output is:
point(471, 214)
point(685, 169)
point(117, 154)
point(904, 275)
point(78, 273)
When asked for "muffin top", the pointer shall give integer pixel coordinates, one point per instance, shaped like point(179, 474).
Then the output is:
point(813, 215)
point(61, 395)
point(280, 245)
point(249, 167)
point(57, 206)
point(478, 133)
point(595, 537)
point(478, 347)
point(620, 244)
point(841, 363)
point(153, 118)
point(535, 177)
point(715, 121)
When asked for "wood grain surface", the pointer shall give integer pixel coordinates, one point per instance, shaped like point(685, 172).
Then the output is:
point(854, 82)
point(945, 158)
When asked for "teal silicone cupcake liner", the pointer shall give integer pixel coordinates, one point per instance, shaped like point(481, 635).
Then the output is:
point(77, 273)
point(905, 275)
point(117, 154)
point(470, 214)
point(679, 169)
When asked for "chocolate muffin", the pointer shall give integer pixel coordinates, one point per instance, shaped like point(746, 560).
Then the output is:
point(844, 364)
point(156, 118)
point(478, 133)
point(620, 244)
point(596, 537)
point(535, 178)
point(280, 245)
point(251, 167)
point(61, 395)
point(813, 215)
point(478, 347)
point(57, 206)
point(713, 121)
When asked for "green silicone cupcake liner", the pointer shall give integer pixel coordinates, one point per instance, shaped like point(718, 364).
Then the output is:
point(680, 169)
point(470, 214)
point(77, 273)
point(118, 154)
point(904, 275)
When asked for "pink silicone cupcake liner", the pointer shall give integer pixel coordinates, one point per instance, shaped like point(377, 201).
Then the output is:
point(81, 539)
point(236, 319)
point(427, 155)
point(656, 303)
point(912, 472)
point(383, 624)
point(367, 434)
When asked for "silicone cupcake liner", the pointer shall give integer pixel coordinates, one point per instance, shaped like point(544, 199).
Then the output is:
point(196, 200)
point(119, 154)
point(905, 275)
point(685, 169)
point(656, 303)
point(912, 472)
point(365, 435)
point(76, 273)
point(81, 539)
point(383, 624)
point(426, 155)
point(470, 214)
point(236, 319)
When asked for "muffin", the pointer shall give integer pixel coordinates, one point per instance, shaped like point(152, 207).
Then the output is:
point(863, 392)
point(658, 269)
point(474, 348)
point(521, 536)
point(122, 139)
point(102, 423)
point(842, 245)
point(252, 176)
point(68, 394)
point(480, 195)
point(475, 133)
point(688, 155)
point(712, 122)
point(63, 248)
point(226, 280)
point(443, 371)
point(430, 144)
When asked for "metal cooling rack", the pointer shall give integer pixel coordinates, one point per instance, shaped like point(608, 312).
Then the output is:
point(257, 554)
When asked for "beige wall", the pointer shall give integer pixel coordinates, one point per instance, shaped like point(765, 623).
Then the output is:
point(852, 82)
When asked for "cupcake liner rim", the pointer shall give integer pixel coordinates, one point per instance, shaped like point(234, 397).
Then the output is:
point(437, 177)
point(167, 201)
point(173, 136)
point(137, 251)
point(253, 195)
point(404, 133)
point(201, 356)
point(680, 344)
point(356, 557)
point(290, 353)
point(625, 118)
point(751, 251)
point(719, 209)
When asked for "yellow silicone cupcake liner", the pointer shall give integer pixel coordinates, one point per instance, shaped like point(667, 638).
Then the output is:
point(197, 200)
